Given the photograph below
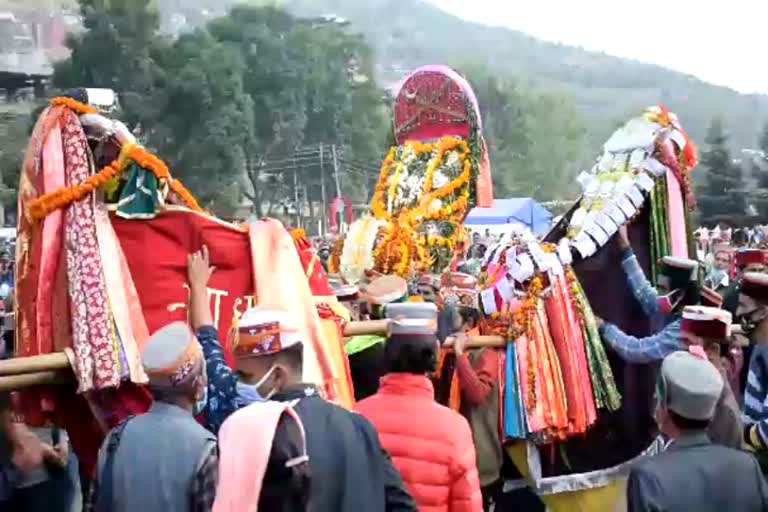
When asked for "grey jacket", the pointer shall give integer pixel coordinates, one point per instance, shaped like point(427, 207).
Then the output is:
point(695, 475)
point(155, 462)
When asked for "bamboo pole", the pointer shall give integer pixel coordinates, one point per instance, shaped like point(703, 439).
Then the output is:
point(34, 364)
point(365, 327)
point(26, 380)
point(23, 372)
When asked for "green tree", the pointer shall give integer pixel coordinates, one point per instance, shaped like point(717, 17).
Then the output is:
point(721, 195)
point(309, 84)
point(222, 102)
point(203, 119)
point(117, 50)
point(535, 138)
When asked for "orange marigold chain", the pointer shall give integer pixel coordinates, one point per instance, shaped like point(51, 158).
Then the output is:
point(73, 105)
point(42, 206)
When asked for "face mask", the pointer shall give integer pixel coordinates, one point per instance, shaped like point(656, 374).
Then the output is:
point(749, 321)
point(249, 393)
point(200, 404)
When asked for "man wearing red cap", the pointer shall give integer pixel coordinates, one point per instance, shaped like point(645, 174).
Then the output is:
point(710, 328)
point(746, 260)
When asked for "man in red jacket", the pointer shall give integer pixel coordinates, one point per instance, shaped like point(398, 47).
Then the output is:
point(430, 444)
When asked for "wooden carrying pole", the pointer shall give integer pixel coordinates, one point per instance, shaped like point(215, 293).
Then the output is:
point(23, 372)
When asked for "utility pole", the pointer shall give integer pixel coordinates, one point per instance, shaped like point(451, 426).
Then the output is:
point(323, 225)
point(338, 187)
point(296, 193)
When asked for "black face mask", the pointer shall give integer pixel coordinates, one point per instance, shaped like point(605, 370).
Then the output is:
point(750, 321)
point(747, 325)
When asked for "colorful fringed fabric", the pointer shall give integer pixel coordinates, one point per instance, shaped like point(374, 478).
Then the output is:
point(568, 342)
point(603, 384)
point(514, 408)
point(578, 388)
point(548, 376)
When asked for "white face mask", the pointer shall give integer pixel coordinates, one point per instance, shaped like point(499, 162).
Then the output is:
point(250, 393)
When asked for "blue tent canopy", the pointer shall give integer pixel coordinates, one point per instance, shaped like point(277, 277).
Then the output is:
point(522, 210)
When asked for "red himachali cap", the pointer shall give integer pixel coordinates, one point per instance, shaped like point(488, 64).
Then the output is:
point(710, 323)
point(710, 298)
point(262, 331)
point(750, 256)
point(755, 285)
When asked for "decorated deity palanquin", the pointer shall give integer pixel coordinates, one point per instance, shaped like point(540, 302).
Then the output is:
point(428, 182)
point(104, 236)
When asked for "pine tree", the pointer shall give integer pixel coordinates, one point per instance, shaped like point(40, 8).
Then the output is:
point(721, 196)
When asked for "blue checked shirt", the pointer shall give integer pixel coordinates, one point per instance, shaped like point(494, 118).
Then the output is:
point(649, 348)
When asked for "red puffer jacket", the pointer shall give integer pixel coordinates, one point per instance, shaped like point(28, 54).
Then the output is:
point(430, 444)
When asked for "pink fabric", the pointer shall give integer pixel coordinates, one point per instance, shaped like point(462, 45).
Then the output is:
point(245, 442)
point(50, 250)
point(676, 216)
point(280, 283)
point(94, 341)
point(484, 186)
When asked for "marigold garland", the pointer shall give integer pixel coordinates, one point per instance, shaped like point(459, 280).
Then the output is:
point(43, 205)
point(522, 327)
point(404, 250)
point(334, 261)
point(73, 105)
point(522, 317)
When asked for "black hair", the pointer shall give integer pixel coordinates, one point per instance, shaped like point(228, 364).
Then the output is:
point(446, 322)
point(691, 295)
point(686, 423)
point(739, 237)
point(469, 315)
point(292, 356)
point(411, 353)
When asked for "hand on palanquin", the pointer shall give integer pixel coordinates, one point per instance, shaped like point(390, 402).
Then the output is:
point(599, 321)
point(199, 269)
point(459, 343)
point(199, 272)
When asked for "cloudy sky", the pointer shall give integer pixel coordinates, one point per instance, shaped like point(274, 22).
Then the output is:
point(725, 43)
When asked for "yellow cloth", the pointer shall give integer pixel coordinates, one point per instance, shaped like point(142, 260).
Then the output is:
point(611, 498)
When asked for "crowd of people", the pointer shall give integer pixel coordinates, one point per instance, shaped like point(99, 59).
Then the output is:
point(254, 436)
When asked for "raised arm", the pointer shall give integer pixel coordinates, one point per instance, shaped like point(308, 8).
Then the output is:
point(641, 288)
point(222, 381)
point(642, 350)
